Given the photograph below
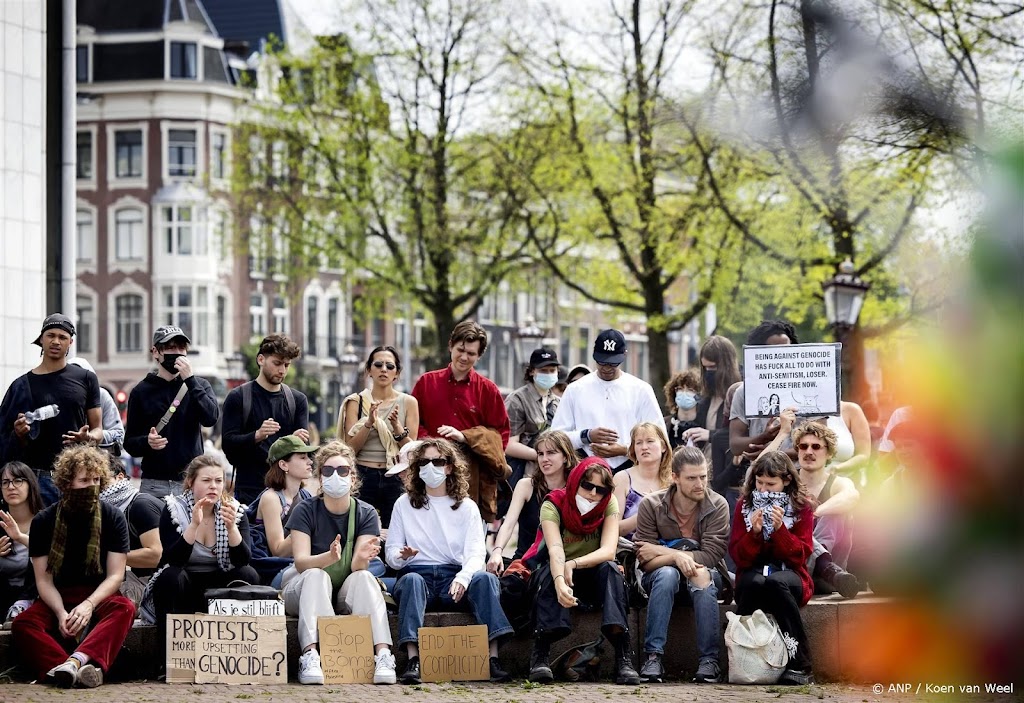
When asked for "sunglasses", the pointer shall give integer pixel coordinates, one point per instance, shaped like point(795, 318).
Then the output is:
point(420, 463)
point(614, 366)
point(804, 446)
point(384, 364)
point(16, 482)
point(600, 490)
point(327, 471)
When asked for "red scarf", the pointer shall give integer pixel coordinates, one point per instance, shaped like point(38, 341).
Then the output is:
point(565, 500)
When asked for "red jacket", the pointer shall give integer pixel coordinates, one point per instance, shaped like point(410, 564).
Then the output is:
point(790, 547)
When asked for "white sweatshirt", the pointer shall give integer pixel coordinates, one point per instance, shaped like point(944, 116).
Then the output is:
point(442, 535)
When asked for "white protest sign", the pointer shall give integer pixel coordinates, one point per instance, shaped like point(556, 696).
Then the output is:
point(801, 376)
point(255, 608)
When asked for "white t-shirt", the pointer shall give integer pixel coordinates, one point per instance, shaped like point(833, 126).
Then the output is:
point(617, 405)
point(442, 535)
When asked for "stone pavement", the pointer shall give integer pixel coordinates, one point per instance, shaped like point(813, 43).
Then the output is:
point(148, 692)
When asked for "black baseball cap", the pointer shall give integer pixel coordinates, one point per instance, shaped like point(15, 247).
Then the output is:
point(59, 321)
point(168, 332)
point(610, 347)
point(543, 357)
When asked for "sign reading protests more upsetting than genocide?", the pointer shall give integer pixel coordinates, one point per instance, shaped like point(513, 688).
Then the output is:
point(346, 649)
point(454, 653)
point(226, 649)
point(801, 376)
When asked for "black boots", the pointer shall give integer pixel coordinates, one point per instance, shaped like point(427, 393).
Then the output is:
point(625, 673)
point(540, 668)
point(835, 578)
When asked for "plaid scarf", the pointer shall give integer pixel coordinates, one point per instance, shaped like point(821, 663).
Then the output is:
point(765, 501)
point(119, 494)
point(77, 502)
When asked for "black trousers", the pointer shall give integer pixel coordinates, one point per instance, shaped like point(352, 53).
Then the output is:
point(779, 595)
point(180, 591)
point(602, 586)
point(380, 491)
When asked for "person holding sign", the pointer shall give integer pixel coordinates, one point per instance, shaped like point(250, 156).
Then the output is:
point(206, 543)
point(580, 531)
point(334, 537)
point(78, 548)
point(436, 541)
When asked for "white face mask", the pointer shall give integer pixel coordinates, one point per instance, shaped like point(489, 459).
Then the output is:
point(686, 399)
point(584, 505)
point(433, 475)
point(546, 381)
point(336, 486)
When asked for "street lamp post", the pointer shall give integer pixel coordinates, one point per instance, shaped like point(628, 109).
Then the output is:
point(528, 337)
point(348, 363)
point(844, 297)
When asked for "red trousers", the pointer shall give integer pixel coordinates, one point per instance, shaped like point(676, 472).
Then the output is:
point(41, 646)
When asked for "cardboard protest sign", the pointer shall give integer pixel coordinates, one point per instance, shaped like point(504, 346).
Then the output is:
point(802, 376)
point(454, 653)
point(346, 649)
point(219, 649)
point(255, 608)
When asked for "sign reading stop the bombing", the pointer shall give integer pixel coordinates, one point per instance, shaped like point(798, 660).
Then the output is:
point(346, 649)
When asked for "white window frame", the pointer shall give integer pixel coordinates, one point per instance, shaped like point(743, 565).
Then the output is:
point(115, 264)
point(87, 265)
point(258, 311)
point(199, 58)
point(127, 287)
point(165, 128)
point(113, 182)
point(91, 336)
point(199, 235)
point(220, 181)
point(87, 183)
point(201, 315)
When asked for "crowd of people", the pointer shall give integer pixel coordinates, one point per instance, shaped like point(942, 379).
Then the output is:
point(521, 510)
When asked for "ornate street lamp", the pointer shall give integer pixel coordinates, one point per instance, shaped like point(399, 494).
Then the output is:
point(348, 363)
point(528, 337)
point(844, 298)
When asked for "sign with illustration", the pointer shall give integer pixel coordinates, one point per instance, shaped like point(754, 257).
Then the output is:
point(802, 376)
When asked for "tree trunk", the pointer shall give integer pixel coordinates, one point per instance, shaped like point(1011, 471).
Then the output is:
point(444, 323)
point(660, 368)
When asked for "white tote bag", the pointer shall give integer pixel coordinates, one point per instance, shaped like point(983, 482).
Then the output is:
point(757, 651)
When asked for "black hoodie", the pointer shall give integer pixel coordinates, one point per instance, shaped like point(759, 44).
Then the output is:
point(148, 402)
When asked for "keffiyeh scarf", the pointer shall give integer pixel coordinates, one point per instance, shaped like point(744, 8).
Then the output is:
point(119, 494)
point(765, 501)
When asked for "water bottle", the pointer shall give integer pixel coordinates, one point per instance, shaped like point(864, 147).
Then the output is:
point(43, 413)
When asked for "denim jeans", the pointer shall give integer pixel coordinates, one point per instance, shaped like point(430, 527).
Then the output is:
point(601, 586)
point(161, 488)
point(420, 588)
point(662, 586)
point(47, 490)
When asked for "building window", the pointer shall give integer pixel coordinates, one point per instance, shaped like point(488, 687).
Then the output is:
point(222, 323)
point(129, 237)
point(311, 312)
point(189, 309)
point(83, 156)
point(82, 64)
point(86, 324)
point(129, 323)
point(218, 155)
point(128, 153)
point(184, 62)
point(257, 315)
point(181, 152)
point(280, 315)
point(183, 235)
point(85, 232)
point(332, 328)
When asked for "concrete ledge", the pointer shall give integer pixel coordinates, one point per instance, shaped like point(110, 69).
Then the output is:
point(833, 626)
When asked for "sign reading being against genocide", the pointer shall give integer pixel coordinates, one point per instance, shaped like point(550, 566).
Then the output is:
point(801, 376)
point(454, 654)
point(346, 649)
point(226, 649)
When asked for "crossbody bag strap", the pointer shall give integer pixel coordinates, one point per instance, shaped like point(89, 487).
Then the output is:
point(171, 410)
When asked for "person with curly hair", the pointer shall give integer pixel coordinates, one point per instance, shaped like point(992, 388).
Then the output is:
point(436, 542)
point(682, 393)
point(79, 547)
point(334, 538)
point(770, 543)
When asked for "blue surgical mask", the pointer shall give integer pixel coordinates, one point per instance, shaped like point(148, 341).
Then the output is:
point(546, 381)
point(686, 400)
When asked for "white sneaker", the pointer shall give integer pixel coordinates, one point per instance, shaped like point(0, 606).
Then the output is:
point(309, 668)
point(384, 667)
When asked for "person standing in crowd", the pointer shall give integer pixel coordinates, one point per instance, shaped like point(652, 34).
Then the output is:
point(580, 526)
point(113, 428)
point(75, 392)
point(260, 412)
point(576, 373)
point(206, 542)
point(599, 410)
point(437, 545)
point(770, 542)
point(334, 537)
point(142, 513)
point(458, 404)
point(719, 371)
point(681, 536)
point(73, 632)
point(651, 472)
point(555, 459)
point(167, 411)
point(377, 423)
point(531, 407)
point(21, 503)
point(682, 393)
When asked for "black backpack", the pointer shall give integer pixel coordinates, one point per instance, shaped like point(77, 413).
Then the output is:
point(289, 401)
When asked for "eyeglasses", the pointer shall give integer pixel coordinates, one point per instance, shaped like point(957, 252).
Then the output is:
point(384, 364)
point(600, 490)
point(15, 482)
point(420, 463)
point(327, 471)
point(804, 446)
